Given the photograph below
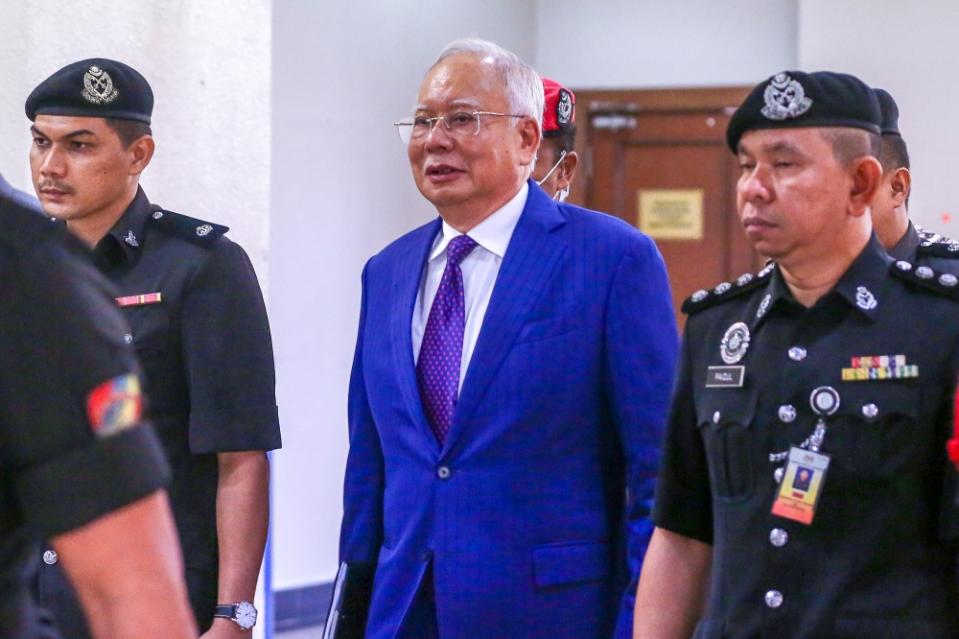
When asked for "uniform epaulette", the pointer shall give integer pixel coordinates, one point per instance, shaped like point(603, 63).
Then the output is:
point(936, 245)
point(943, 283)
point(187, 227)
point(703, 299)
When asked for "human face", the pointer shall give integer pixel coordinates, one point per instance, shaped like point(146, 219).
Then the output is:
point(469, 177)
point(80, 168)
point(792, 193)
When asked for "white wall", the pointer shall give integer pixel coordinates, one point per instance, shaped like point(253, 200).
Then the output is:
point(909, 50)
point(341, 190)
point(650, 43)
point(209, 66)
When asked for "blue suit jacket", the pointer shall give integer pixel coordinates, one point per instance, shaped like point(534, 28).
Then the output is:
point(561, 411)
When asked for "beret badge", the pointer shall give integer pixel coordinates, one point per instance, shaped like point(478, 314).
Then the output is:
point(564, 108)
point(785, 98)
point(98, 86)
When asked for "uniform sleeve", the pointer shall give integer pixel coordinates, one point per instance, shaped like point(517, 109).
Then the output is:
point(683, 498)
point(61, 344)
point(228, 355)
point(642, 344)
point(362, 530)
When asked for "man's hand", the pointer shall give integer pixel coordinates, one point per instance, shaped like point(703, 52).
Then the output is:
point(226, 629)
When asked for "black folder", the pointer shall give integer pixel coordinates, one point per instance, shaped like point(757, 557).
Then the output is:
point(352, 591)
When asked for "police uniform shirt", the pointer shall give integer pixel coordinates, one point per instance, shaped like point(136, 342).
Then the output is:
point(922, 247)
point(60, 338)
point(198, 324)
point(878, 559)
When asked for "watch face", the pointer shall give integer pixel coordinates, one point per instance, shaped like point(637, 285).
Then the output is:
point(245, 615)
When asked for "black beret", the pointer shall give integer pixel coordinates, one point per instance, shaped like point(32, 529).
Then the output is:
point(796, 99)
point(890, 112)
point(98, 88)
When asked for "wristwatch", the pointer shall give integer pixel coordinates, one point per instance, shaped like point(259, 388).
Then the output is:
point(242, 613)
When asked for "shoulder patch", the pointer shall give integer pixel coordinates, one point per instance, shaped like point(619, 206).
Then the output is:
point(703, 299)
point(188, 228)
point(936, 245)
point(946, 284)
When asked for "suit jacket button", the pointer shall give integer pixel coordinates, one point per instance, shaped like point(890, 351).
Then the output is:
point(443, 472)
point(49, 557)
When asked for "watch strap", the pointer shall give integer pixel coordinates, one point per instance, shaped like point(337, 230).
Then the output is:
point(225, 611)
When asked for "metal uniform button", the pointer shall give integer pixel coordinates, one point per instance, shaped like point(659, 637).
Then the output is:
point(787, 413)
point(797, 353)
point(128, 338)
point(716, 417)
point(50, 557)
point(870, 410)
point(443, 472)
point(778, 537)
point(774, 599)
point(778, 474)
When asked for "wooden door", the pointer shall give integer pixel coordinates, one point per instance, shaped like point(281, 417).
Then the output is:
point(648, 141)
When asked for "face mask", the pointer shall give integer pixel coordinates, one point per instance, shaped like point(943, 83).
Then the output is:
point(550, 172)
point(562, 194)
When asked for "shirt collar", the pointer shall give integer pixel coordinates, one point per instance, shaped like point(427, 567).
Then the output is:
point(493, 233)
point(905, 248)
point(862, 286)
point(127, 233)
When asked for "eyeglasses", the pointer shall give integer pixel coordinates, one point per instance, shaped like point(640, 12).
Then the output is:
point(460, 124)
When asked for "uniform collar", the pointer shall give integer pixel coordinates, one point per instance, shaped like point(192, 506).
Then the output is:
point(127, 233)
point(862, 286)
point(493, 233)
point(905, 248)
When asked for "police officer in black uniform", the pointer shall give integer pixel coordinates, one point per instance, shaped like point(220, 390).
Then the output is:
point(556, 158)
point(805, 463)
point(73, 449)
point(198, 323)
point(890, 210)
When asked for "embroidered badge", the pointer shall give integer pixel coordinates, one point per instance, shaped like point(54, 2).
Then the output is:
point(203, 230)
point(785, 98)
point(734, 344)
point(564, 108)
point(878, 367)
point(140, 300)
point(115, 405)
point(865, 299)
point(98, 86)
point(131, 239)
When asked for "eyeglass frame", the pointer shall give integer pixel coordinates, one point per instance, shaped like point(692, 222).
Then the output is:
point(444, 118)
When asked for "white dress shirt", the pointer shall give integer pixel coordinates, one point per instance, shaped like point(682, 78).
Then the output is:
point(480, 269)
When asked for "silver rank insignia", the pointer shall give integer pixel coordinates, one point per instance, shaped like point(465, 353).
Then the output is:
point(131, 239)
point(764, 305)
point(98, 86)
point(785, 98)
point(733, 346)
point(203, 230)
point(564, 108)
point(865, 299)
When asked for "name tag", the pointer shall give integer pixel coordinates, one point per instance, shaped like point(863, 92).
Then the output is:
point(139, 300)
point(801, 485)
point(725, 376)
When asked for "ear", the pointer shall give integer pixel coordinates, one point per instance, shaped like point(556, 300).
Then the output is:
point(866, 174)
point(566, 170)
point(530, 137)
point(141, 152)
point(901, 184)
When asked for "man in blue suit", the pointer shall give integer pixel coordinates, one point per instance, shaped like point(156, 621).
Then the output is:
point(512, 373)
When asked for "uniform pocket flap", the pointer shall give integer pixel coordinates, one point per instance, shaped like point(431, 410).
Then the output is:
point(570, 563)
point(872, 400)
point(726, 406)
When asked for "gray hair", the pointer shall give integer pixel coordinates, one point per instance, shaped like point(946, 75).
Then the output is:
point(524, 88)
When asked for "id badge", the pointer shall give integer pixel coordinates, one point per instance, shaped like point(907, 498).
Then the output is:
point(801, 485)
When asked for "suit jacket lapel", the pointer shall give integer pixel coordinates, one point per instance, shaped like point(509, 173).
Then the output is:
point(406, 283)
point(532, 255)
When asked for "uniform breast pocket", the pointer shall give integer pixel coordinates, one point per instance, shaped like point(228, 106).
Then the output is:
point(150, 328)
point(876, 428)
point(725, 418)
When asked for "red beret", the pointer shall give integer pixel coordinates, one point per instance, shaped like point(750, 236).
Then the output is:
point(559, 113)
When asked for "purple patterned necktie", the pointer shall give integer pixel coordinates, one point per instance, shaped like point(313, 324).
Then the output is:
point(441, 352)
